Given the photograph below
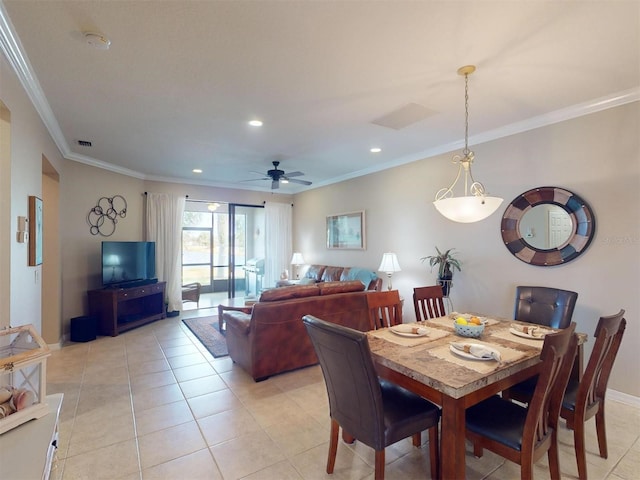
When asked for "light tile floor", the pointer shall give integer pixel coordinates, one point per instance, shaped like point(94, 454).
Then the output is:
point(152, 403)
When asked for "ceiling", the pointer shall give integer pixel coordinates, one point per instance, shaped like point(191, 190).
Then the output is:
point(329, 79)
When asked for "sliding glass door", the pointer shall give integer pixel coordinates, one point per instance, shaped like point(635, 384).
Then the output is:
point(223, 247)
point(247, 250)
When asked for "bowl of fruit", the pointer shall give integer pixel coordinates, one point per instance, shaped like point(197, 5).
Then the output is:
point(470, 326)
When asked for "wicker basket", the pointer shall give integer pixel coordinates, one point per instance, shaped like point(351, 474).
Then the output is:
point(23, 364)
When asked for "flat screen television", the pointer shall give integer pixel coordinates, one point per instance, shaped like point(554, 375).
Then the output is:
point(128, 263)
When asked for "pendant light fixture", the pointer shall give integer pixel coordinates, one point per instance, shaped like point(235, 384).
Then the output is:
point(474, 205)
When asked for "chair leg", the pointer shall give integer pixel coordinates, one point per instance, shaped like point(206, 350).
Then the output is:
point(379, 474)
point(478, 451)
point(554, 461)
point(434, 452)
point(579, 445)
point(333, 445)
point(417, 439)
point(601, 430)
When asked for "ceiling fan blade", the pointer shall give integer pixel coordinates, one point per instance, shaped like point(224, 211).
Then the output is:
point(301, 182)
point(255, 179)
point(293, 174)
point(275, 184)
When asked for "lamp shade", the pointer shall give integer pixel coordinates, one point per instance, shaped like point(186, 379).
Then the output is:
point(389, 263)
point(297, 259)
point(467, 209)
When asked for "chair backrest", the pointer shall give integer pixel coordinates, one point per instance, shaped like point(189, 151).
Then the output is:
point(428, 302)
point(593, 385)
point(558, 352)
point(552, 307)
point(385, 308)
point(355, 396)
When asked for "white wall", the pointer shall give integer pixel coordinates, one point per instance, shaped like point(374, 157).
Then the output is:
point(28, 143)
point(596, 156)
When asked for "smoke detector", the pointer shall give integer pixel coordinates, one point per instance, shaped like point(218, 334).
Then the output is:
point(97, 40)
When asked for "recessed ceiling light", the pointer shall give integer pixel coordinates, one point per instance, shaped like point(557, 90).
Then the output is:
point(197, 170)
point(375, 150)
point(255, 123)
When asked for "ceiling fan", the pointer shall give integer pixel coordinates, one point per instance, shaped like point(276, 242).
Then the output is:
point(276, 176)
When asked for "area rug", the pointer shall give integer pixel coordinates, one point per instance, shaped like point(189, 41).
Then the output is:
point(206, 330)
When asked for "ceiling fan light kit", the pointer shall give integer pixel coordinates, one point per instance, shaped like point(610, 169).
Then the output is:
point(278, 176)
point(474, 205)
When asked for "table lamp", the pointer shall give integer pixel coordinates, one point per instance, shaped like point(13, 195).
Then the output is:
point(297, 260)
point(389, 264)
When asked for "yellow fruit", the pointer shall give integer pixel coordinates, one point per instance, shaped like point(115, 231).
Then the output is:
point(475, 321)
point(461, 321)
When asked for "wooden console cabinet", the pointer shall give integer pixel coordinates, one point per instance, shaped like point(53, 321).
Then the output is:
point(121, 309)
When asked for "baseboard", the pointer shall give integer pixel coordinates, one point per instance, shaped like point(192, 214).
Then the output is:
point(54, 346)
point(623, 398)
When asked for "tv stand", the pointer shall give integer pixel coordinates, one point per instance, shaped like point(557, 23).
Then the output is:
point(120, 309)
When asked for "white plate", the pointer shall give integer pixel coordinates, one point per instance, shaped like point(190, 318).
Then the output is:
point(468, 356)
point(518, 333)
point(406, 331)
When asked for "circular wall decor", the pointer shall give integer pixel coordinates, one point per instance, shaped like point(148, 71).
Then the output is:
point(102, 218)
point(574, 237)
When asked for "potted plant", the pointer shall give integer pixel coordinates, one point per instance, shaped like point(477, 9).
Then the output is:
point(446, 263)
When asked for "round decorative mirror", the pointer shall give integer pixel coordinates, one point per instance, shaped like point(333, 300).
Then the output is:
point(547, 226)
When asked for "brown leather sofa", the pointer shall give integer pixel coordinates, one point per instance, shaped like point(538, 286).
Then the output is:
point(272, 338)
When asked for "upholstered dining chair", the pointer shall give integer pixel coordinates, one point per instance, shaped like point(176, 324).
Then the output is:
point(376, 412)
point(428, 302)
point(520, 434)
point(548, 306)
point(385, 308)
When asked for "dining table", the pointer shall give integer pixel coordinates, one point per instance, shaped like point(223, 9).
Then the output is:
point(427, 364)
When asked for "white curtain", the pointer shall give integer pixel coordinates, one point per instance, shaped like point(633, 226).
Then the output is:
point(278, 232)
point(164, 226)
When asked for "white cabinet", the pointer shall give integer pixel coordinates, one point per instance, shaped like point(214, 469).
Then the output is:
point(27, 451)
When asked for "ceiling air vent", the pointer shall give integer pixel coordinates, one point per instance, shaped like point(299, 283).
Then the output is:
point(84, 143)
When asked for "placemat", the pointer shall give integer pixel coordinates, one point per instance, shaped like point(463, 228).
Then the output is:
point(507, 335)
point(389, 336)
point(508, 355)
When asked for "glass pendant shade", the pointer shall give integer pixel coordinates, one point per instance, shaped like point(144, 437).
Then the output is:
point(467, 209)
point(474, 205)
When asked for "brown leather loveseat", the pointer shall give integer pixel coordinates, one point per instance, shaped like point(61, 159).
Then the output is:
point(272, 338)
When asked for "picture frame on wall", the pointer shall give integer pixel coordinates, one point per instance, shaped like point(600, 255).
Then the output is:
point(35, 231)
point(346, 231)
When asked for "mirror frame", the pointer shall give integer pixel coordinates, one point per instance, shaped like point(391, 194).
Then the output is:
point(582, 219)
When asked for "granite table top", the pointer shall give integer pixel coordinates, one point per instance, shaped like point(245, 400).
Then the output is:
point(429, 360)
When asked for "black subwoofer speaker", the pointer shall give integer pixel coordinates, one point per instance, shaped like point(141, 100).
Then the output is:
point(83, 329)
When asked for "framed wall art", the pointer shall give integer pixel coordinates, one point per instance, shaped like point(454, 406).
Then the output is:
point(346, 231)
point(35, 231)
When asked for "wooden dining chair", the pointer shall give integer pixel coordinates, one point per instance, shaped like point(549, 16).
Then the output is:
point(520, 434)
point(428, 302)
point(385, 309)
point(376, 412)
point(584, 399)
point(548, 306)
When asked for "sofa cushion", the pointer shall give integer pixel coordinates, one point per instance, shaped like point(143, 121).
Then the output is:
point(331, 288)
point(356, 273)
point(307, 281)
point(332, 274)
point(285, 293)
point(315, 272)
